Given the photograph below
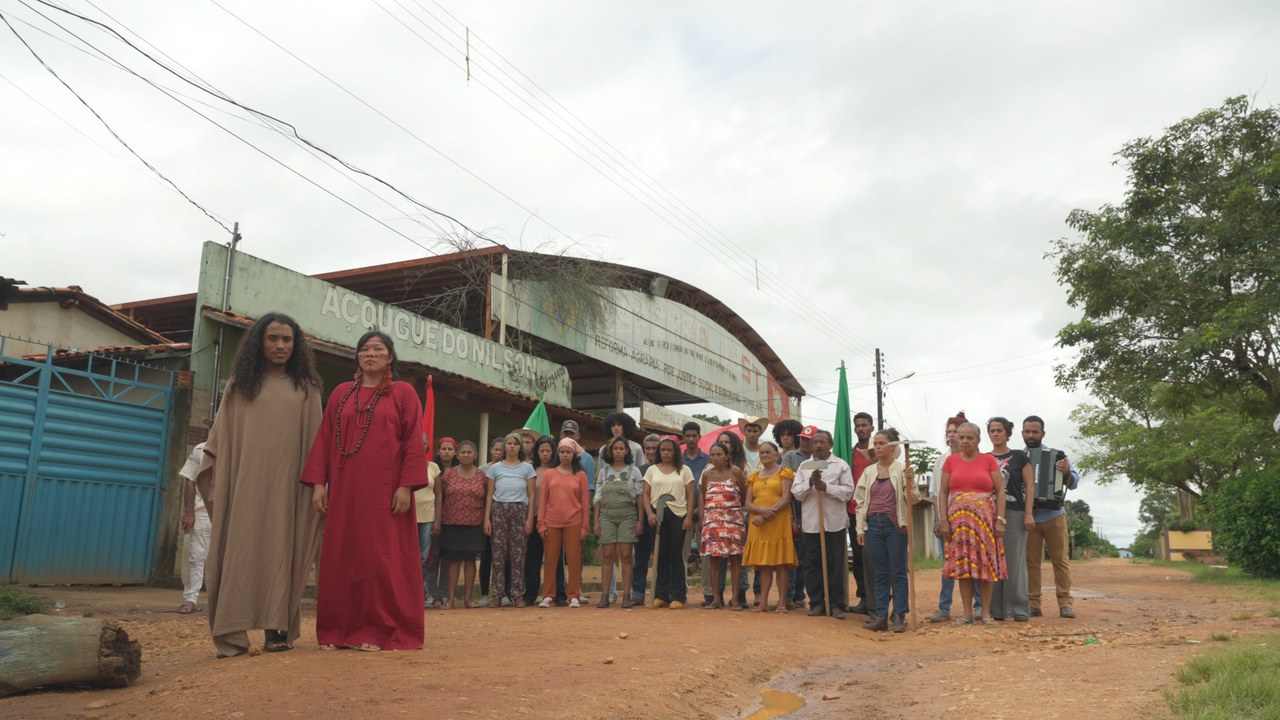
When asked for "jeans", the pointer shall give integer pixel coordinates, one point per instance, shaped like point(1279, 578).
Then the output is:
point(887, 546)
point(859, 555)
point(949, 585)
point(796, 574)
point(640, 563)
point(424, 548)
point(707, 580)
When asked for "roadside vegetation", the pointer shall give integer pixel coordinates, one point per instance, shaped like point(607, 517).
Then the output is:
point(15, 600)
point(1234, 578)
point(1237, 680)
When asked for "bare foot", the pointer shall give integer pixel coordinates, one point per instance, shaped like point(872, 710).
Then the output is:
point(368, 647)
point(758, 608)
point(782, 609)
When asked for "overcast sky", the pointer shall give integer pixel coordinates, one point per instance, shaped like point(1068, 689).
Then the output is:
point(897, 171)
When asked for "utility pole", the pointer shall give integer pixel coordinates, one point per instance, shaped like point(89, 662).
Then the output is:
point(879, 392)
point(226, 305)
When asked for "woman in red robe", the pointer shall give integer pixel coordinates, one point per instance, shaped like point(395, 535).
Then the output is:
point(364, 466)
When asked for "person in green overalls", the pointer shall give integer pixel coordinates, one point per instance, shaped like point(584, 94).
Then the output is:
point(619, 488)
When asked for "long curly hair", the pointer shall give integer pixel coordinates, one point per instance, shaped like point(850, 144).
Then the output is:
point(249, 366)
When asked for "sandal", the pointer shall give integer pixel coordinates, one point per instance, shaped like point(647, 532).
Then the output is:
point(961, 622)
point(276, 641)
point(187, 607)
point(988, 621)
point(367, 647)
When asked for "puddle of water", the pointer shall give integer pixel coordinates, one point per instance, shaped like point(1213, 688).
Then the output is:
point(774, 704)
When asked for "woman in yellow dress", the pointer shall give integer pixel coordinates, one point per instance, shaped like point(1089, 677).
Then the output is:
point(770, 549)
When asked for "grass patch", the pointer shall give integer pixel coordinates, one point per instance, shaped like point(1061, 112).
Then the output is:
point(1220, 636)
point(1234, 682)
point(928, 563)
point(1243, 615)
point(1230, 577)
point(16, 601)
point(1273, 612)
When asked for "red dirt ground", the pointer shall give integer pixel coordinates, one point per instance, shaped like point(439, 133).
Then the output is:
point(640, 663)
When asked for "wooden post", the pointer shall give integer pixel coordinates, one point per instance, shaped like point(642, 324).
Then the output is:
point(911, 552)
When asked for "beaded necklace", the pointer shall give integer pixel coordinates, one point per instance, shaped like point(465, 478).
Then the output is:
point(364, 415)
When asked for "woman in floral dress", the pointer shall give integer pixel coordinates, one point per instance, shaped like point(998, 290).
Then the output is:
point(723, 529)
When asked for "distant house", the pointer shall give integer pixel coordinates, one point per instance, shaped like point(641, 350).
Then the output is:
point(67, 318)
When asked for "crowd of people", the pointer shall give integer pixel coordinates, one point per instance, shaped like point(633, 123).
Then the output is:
point(400, 531)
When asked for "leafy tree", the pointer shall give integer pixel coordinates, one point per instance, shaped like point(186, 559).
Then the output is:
point(717, 421)
point(1179, 292)
point(923, 457)
point(1169, 440)
point(1080, 528)
point(1157, 510)
point(1178, 284)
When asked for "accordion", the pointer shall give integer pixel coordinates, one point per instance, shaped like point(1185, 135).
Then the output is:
point(1048, 486)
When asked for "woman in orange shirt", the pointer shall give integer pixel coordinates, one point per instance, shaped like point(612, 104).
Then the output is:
point(564, 519)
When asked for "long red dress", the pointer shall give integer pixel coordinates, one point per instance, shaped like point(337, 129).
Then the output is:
point(370, 587)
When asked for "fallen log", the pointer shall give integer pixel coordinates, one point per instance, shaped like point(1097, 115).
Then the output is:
point(42, 650)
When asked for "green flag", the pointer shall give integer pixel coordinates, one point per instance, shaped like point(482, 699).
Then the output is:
point(538, 420)
point(842, 436)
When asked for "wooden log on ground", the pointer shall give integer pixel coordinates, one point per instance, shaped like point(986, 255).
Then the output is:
point(42, 650)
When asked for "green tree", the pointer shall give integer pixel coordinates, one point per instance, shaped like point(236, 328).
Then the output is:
point(1080, 527)
point(717, 421)
point(923, 457)
point(1157, 510)
point(1179, 292)
point(1178, 284)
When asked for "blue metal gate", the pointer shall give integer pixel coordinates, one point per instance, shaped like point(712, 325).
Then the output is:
point(82, 455)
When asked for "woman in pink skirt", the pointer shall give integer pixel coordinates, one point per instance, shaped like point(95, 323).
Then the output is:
point(970, 490)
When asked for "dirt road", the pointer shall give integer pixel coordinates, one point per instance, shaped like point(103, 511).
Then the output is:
point(639, 663)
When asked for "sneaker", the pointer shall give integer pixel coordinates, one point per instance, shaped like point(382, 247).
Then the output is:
point(574, 603)
point(837, 613)
point(1066, 612)
point(484, 601)
point(613, 597)
point(1036, 612)
point(547, 602)
point(817, 611)
point(707, 601)
point(859, 609)
point(940, 617)
point(878, 623)
point(659, 603)
point(506, 602)
point(676, 604)
point(430, 603)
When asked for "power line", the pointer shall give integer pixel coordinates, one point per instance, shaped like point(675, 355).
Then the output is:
point(105, 124)
point(292, 129)
point(386, 117)
point(746, 275)
point(90, 138)
point(173, 96)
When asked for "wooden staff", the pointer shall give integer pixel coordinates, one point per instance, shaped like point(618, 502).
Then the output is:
point(822, 545)
point(658, 512)
point(911, 553)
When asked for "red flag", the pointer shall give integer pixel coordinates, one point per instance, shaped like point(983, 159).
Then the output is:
point(429, 420)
